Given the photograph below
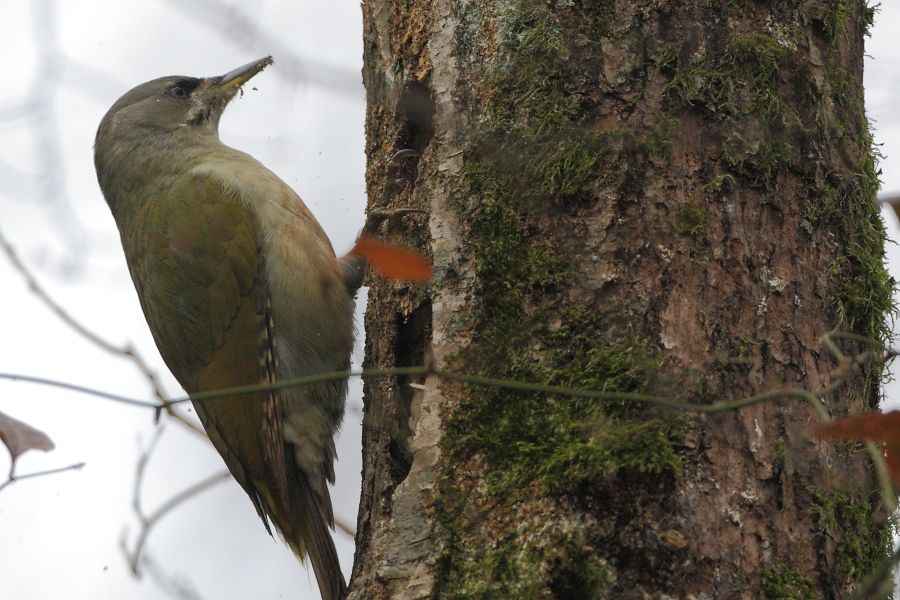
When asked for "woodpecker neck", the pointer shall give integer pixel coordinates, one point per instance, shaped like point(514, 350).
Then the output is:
point(132, 161)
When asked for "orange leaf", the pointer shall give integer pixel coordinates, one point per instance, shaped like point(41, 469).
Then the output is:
point(392, 261)
point(871, 427)
point(875, 426)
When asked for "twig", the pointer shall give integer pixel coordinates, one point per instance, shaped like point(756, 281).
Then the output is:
point(480, 380)
point(80, 389)
point(244, 31)
point(215, 394)
point(140, 469)
point(133, 557)
point(345, 527)
point(172, 503)
point(171, 586)
point(13, 477)
point(846, 365)
point(139, 556)
point(128, 351)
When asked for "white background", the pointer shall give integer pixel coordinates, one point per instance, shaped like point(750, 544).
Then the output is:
point(64, 65)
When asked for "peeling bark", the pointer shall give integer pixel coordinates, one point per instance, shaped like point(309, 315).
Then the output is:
point(641, 196)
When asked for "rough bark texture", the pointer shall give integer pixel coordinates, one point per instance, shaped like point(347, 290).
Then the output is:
point(670, 197)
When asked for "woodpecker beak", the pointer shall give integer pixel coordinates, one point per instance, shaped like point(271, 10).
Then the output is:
point(216, 92)
point(230, 82)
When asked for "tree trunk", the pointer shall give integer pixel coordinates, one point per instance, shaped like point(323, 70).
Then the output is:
point(666, 197)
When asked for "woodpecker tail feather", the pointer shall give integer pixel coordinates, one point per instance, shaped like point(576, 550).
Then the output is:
point(320, 547)
point(325, 564)
point(306, 527)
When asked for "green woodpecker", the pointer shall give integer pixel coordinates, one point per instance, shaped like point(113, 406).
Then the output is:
point(239, 285)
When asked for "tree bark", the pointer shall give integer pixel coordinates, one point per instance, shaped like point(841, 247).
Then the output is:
point(666, 197)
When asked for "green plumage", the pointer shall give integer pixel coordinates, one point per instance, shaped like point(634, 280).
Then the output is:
point(239, 285)
point(195, 262)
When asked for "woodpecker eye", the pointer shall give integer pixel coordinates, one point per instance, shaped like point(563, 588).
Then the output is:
point(178, 92)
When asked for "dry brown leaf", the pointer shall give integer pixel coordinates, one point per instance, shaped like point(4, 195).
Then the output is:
point(20, 437)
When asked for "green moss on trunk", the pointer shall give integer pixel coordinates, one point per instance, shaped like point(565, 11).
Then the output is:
point(864, 539)
point(782, 583)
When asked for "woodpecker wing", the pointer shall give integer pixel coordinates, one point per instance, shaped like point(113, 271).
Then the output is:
point(197, 272)
point(197, 263)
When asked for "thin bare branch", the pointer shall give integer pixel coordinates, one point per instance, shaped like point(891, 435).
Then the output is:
point(344, 527)
point(80, 389)
point(139, 557)
point(13, 477)
point(148, 522)
point(140, 469)
point(215, 394)
point(168, 506)
point(244, 31)
point(127, 351)
point(172, 586)
point(838, 379)
point(846, 365)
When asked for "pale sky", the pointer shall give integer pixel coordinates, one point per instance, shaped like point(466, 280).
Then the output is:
point(66, 63)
